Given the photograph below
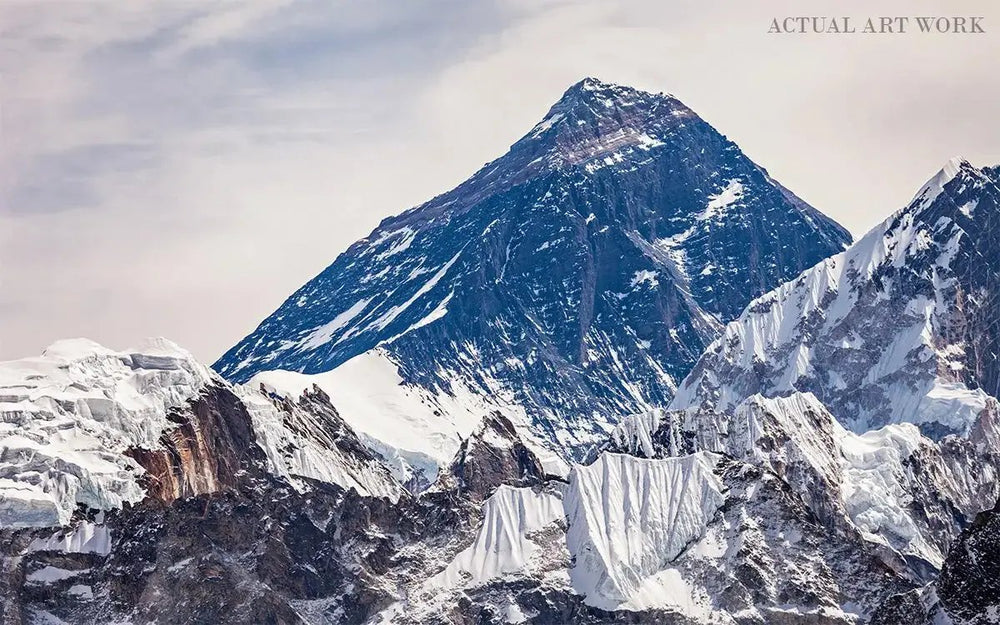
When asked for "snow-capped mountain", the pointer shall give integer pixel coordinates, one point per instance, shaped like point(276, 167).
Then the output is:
point(869, 381)
point(572, 281)
point(899, 328)
point(389, 452)
point(906, 494)
point(85, 426)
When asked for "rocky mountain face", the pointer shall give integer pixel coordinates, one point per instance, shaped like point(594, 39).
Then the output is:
point(574, 280)
point(139, 485)
point(247, 507)
point(906, 494)
point(967, 591)
point(899, 328)
point(867, 382)
point(85, 425)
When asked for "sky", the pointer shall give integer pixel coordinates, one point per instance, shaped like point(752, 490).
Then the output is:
point(178, 168)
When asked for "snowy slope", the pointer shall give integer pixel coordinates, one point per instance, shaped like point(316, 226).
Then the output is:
point(898, 328)
point(503, 542)
point(629, 516)
point(576, 278)
point(520, 535)
point(893, 485)
point(307, 438)
point(416, 430)
point(75, 417)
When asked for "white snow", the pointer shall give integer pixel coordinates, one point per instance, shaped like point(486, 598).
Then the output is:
point(629, 517)
point(731, 194)
point(81, 591)
point(646, 277)
point(545, 124)
point(874, 487)
point(403, 239)
point(50, 574)
point(503, 542)
point(669, 589)
point(634, 432)
point(933, 187)
point(439, 312)
point(86, 537)
point(371, 396)
point(645, 142)
point(69, 416)
point(324, 334)
point(390, 315)
point(628, 520)
point(296, 445)
point(717, 205)
point(905, 372)
point(866, 475)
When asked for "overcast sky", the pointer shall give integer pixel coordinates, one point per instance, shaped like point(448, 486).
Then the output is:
point(179, 168)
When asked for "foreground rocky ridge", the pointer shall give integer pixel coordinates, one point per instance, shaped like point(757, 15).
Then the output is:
point(230, 527)
point(87, 426)
point(967, 591)
point(908, 495)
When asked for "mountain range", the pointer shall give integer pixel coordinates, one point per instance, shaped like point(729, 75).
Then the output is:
point(620, 375)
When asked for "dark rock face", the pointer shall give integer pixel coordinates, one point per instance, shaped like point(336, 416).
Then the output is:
point(967, 591)
point(551, 608)
point(908, 607)
point(583, 272)
point(205, 453)
point(969, 586)
point(492, 456)
point(789, 557)
point(313, 416)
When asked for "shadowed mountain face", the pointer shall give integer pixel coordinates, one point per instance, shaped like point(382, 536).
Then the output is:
point(577, 278)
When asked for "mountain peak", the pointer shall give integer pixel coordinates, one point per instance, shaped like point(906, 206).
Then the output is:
point(591, 99)
point(954, 167)
point(576, 276)
point(596, 86)
point(595, 119)
point(916, 296)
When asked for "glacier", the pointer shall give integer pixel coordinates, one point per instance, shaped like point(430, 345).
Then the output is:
point(75, 417)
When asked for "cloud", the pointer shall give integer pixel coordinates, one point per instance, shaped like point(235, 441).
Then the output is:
point(176, 169)
point(179, 168)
